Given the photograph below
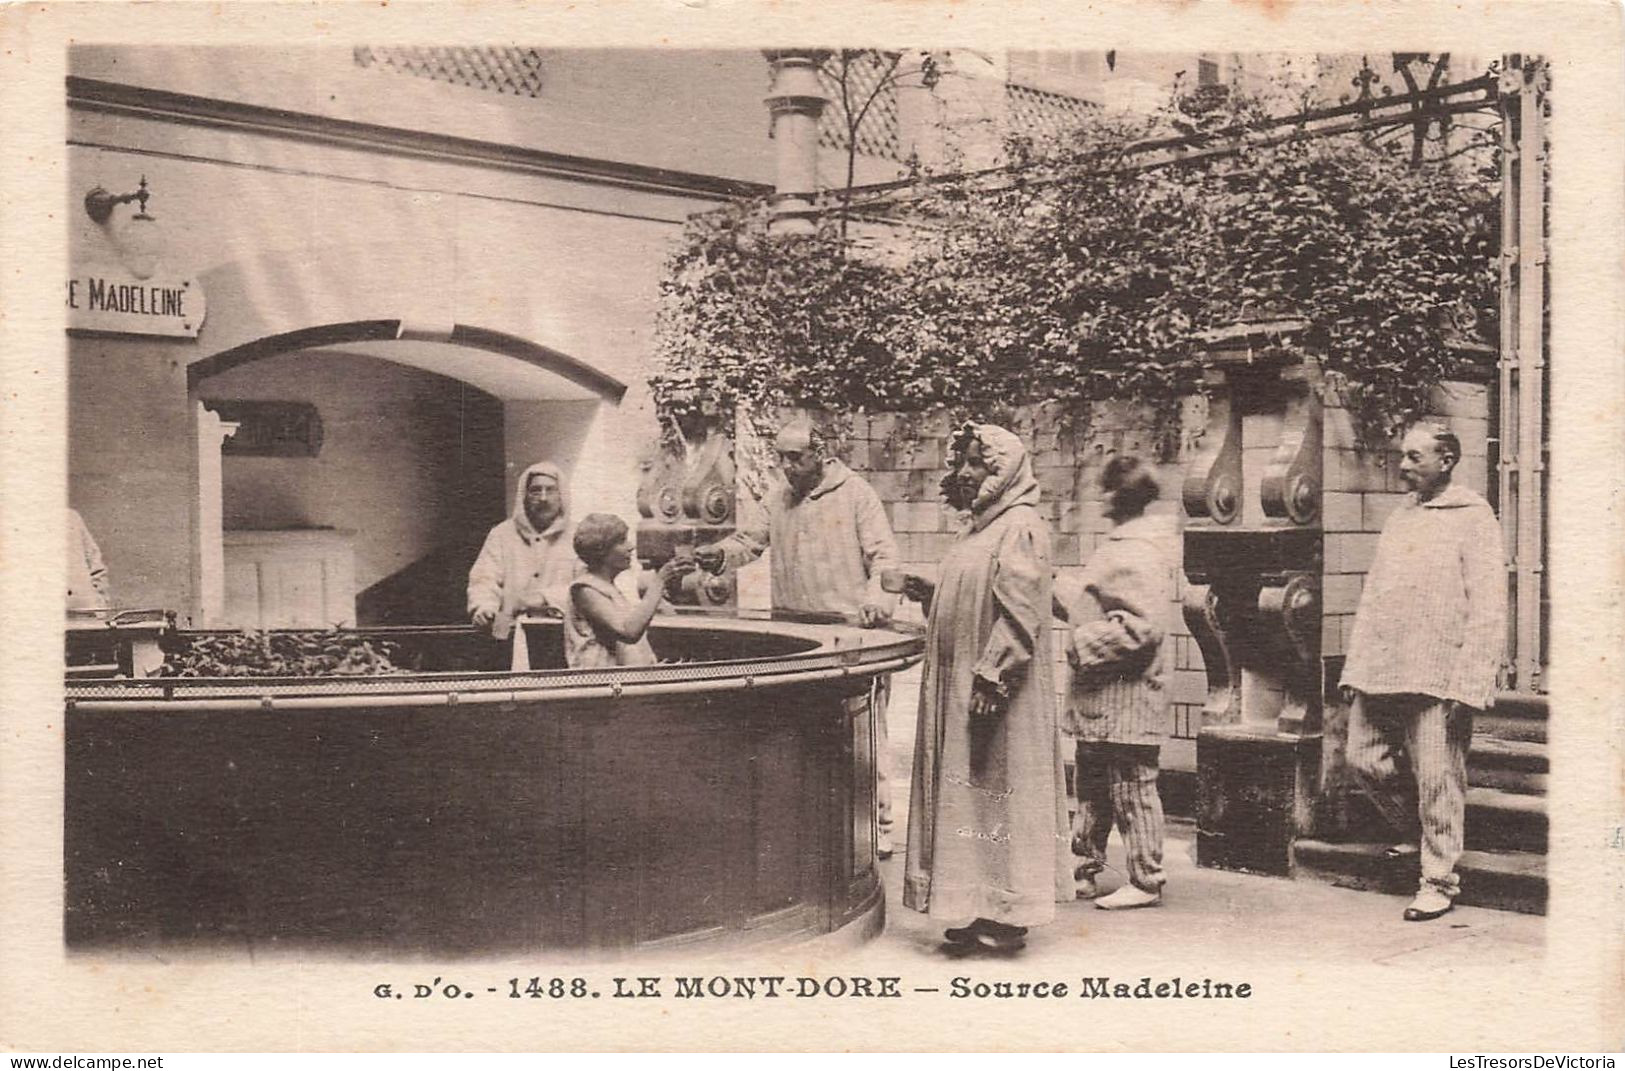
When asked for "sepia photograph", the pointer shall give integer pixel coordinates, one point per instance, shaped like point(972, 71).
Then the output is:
point(569, 541)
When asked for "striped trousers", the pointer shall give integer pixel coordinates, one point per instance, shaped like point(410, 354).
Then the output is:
point(880, 700)
point(1119, 782)
point(1434, 736)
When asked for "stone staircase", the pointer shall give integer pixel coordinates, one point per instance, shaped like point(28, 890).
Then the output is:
point(1504, 866)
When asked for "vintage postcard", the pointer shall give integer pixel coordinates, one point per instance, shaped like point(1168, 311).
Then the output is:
point(729, 525)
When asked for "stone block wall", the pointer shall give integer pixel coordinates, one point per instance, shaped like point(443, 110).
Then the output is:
point(903, 456)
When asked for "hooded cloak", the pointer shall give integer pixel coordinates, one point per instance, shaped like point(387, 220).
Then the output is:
point(988, 831)
point(520, 568)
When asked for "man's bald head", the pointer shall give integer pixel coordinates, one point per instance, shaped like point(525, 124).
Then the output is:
point(799, 436)
point(800, 448)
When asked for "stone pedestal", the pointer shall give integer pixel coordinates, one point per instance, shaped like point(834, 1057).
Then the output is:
point(1254, 790)
point(1253, 556)
point(686, 499)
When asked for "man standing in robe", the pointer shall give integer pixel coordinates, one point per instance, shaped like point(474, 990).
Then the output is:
point(830, 540)
point(1425, 654)
point(529, 559)
point(988, 835)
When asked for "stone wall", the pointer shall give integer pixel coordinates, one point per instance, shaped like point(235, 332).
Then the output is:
point(902, 455)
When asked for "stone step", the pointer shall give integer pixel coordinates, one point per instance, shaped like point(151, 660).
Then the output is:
point(1506, 881)
point(1500, 821)
point(1515, 716)
point(1520, 782)
point(1525, 705)
point(1494, 723)
point(1493, 752)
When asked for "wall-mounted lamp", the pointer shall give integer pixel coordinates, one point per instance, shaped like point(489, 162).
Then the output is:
point(137, 240)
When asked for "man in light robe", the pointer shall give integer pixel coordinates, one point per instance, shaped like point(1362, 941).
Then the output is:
point(528, 560)
point(831, 540)
point(87, 575)
point(1424, 656)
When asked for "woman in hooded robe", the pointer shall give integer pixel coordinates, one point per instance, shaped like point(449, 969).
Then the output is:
point(987, 837)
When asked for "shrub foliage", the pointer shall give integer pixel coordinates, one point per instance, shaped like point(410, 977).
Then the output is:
point(1087, 275)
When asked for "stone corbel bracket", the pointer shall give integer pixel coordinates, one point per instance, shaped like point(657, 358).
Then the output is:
point(1235, 356)
point(688, 500)
point(1203, 612)
point(1292, 607)
point(1290, 489)
point(1213, 483)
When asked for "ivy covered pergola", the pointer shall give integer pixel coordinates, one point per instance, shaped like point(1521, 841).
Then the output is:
point(1088, 269)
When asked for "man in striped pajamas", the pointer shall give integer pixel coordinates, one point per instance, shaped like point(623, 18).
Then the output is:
point(830, 540)
point(1424, 656)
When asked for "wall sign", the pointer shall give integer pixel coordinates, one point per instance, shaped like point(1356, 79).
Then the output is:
point(270, 429)
point(109, 298)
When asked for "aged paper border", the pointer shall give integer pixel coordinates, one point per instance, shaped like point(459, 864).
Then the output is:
point(49, 1002)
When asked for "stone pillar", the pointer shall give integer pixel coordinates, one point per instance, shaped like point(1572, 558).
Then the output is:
point(1253, 554)
point(796, 101)
point(212, 432)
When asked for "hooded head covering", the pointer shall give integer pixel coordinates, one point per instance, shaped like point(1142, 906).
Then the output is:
point(1010, 480)
point(520, 520)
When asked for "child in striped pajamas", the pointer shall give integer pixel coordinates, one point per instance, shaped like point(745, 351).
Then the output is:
point(1425, 652)
point(1118, 708)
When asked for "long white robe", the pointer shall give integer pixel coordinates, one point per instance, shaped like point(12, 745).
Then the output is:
point(988, 832)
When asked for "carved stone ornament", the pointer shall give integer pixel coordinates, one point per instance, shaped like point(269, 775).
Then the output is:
point(1291, 485)
point(1213, 484)
point(686, 496)
point(1202, 617)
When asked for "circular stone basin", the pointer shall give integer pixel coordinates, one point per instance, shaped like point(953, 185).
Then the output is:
point(725, 797)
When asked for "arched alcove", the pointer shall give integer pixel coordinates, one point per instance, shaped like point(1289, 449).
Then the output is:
point(379, 523)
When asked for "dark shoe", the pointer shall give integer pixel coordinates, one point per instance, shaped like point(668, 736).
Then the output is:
point(1402, 851)
point(1429, 904)
point(1002, 944)
point(1002, 930)
point(986, 933)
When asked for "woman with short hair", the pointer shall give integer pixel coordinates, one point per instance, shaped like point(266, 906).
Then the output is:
point(602, 627)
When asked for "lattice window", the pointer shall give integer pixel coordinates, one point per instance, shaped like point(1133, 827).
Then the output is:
point(1043, 115)
point(877, 135)
point(517, 71)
